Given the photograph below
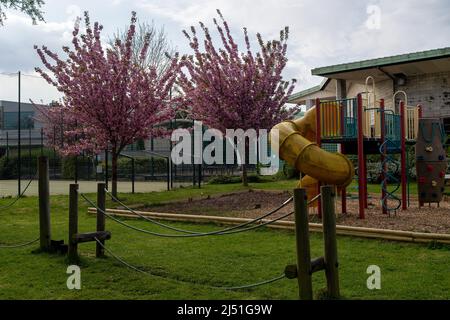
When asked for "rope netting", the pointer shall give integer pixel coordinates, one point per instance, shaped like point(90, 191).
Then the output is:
point(157, 234)
point(190, 234)
point(200, 233)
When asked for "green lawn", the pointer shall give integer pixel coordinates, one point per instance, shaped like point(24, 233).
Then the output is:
point(187, 268)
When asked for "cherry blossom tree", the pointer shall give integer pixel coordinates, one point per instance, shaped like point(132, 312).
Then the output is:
point(109, 100)
point(229, 89)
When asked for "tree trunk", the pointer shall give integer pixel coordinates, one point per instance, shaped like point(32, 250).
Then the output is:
point(244, 164)
point(244, 175)
point(114, 173)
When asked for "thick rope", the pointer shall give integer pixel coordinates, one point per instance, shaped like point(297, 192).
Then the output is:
point(181, 235)
point(248, 286)
point(14, 246)
point(198, 233)
point(19, 196)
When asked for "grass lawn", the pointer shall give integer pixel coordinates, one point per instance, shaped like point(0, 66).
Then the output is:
point(187, 268)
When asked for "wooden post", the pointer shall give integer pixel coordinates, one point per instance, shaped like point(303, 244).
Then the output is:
point(302, 242)
point(73, 222)
point(330, 243)
point(44, 204)
point(101, 204)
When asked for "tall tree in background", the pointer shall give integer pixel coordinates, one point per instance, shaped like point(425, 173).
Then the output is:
point(29, 7)
point(229, 89)
point(159, 51)
point(109, 100)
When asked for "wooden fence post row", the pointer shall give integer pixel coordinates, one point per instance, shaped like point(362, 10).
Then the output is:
point(74, 237)
point(305, 266)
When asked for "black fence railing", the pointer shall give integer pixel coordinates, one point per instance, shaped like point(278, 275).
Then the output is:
point(133, 165)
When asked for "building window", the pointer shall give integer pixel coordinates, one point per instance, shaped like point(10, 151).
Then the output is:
point(10, 120)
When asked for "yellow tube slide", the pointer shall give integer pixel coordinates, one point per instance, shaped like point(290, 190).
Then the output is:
point(298, 149)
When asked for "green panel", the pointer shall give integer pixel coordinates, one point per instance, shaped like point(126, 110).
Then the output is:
point(330, 147)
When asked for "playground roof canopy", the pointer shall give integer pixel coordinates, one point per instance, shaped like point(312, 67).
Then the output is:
point(410, 64)
point(430, 61)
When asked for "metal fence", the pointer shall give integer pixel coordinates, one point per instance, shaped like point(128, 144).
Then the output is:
point(152, 163)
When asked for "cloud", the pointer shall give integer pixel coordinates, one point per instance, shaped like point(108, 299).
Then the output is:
point(19, 36)
point(32, 87)
point(321, 32)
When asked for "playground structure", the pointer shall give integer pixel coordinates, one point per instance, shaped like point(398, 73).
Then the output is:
point(431, 161)
point(361, 126)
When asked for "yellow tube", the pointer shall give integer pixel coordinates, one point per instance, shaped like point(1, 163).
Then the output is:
point(297, 149)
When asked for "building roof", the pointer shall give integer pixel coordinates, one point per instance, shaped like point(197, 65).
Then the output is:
point(410, 64)
point(308, 91)
point(383, 62)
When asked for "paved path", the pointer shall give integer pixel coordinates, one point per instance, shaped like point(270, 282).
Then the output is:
point(9, 187)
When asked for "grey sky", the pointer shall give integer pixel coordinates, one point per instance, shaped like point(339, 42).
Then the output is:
point(322, 32)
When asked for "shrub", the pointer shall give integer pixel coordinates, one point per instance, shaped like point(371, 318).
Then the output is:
point(141, 165)
point(228, 179)
point(8, 165)
point(290, 172)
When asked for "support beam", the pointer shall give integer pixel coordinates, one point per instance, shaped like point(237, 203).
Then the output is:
point(44, 204)
point(383, 158)
point(91, 236)
point(403, 154)
point(361, 164)
point(330, 242)
point(73, 222)
point(101, 205)
point(303, 247)
point(341, 89)
point(319, 143)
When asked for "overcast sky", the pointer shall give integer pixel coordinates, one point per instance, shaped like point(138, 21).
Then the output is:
point(321, 32)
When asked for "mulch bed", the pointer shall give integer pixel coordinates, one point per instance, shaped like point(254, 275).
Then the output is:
point(251, 204)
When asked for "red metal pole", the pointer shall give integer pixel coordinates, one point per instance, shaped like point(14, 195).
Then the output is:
point(366, 197)
point(420, 117)
point(344, 190)
point(383, 155)
point(361, 164)
point(319, 143)
point(403, 153)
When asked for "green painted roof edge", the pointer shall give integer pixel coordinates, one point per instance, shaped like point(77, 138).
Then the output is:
point(308, 91)
point(381, 62)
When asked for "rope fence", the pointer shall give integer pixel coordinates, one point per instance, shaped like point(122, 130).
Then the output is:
point(190, 234)
point(103, 212)
point(20, 195)
point(12, 203)
point(20, 245)
point(243, 287)
point(201, 233)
